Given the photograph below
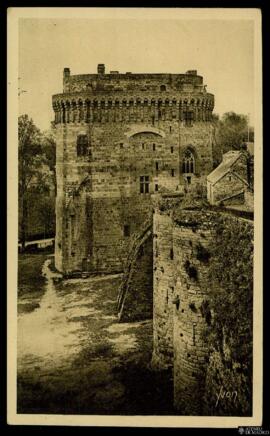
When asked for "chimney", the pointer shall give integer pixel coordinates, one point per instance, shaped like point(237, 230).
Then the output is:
point(101, 68)
point(66, 72)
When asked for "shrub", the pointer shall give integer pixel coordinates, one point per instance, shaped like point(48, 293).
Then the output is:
point(231, 292)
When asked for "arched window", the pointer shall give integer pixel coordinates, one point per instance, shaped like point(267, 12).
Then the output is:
point(188, 162)
point(162, 88)
point(82, 145)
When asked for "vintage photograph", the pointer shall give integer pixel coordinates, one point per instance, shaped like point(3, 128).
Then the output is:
point(137, 143)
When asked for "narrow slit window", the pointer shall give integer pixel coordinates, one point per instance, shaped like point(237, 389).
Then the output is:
point(82, 145)
point(126, 230)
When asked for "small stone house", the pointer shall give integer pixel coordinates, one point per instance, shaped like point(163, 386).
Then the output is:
point(228, 183)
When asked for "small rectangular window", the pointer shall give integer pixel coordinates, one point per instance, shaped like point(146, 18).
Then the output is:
point(171, 254)
point(172, 172)
point(154, 147)
point(170, 129)
point(143, 145)
point(156, 166)
point(144, 184)
point(121, 144)
point(156, 187)
point(126, 230)
point(171, 149)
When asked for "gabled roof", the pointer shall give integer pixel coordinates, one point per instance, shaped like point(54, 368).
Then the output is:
point(225, 166)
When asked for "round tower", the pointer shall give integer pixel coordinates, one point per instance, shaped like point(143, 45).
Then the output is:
point(120, 138)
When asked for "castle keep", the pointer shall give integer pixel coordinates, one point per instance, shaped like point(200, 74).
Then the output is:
point(121, 138)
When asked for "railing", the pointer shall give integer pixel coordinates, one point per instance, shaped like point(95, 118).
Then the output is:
point(39, 243)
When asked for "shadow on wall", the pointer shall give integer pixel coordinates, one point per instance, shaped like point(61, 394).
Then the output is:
point(135, 299)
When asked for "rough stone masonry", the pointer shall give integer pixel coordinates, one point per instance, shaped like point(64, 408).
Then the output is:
point(184, 241)
point(128, 147)
point(121, 138)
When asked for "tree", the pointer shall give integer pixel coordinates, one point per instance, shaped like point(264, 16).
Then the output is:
point(48, 146)
point(46, 214)
point(215, 118)
point(232, 131)
point(33, 168)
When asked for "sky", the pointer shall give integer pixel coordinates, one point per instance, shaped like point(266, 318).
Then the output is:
point(220, 50)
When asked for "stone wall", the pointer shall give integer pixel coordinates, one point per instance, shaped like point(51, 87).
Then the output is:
point(192, 237)
point(135, 300)
point(163, 290)
point(131, 81)
point(249, 199)
point(113, 171)
point(129, 138)
point(184, 297)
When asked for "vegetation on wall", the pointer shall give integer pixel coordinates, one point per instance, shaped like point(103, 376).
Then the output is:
point(230, 331)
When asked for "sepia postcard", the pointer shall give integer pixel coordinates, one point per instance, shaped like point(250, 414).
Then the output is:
point(135, 217)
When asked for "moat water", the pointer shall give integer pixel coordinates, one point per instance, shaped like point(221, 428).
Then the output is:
point(75, 358)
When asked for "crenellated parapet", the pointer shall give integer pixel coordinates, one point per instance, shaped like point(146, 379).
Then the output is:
point(87, 108)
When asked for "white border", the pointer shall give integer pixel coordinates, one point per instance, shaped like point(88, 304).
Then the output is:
point(12, 173)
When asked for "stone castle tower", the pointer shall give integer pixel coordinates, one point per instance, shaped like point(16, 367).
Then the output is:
point(121, 138)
